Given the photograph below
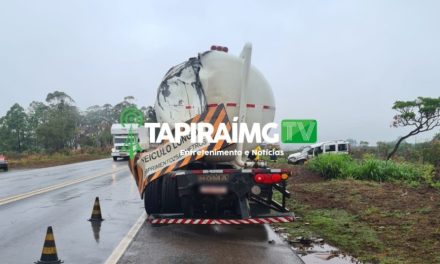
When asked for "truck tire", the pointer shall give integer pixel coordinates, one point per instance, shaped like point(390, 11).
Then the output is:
point(170, 195)
point(152, 197)
point(115, 158)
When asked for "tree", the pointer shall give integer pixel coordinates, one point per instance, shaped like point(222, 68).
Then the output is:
point(422, 114)
point(118, 108)
point(15, 121)
point(364, 144)
point(59, 131)
point(59, 98)
point(37, 115)
point(383, 148)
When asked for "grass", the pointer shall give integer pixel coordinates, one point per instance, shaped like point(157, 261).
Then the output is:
point(338, 227)
point(344, 167)
point(34, 160)
point(374, 222)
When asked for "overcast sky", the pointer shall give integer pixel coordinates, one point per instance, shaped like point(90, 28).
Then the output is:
point(343, 63)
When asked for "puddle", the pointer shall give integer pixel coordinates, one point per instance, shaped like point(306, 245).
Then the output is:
point(315, 250)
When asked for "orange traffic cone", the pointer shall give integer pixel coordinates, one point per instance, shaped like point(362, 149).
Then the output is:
point(49, 255)
point(96, 213)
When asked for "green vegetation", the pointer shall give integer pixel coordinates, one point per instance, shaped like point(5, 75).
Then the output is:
point(421, 115)
point(337, 227)
point(57, 125)
point(374, 222)
point(28, 160)
point(369, 168)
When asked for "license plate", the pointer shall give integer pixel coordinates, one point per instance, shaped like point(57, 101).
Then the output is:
point(213, 189)
point(213, 178)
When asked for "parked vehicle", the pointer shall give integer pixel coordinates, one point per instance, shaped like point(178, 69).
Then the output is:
point(335, 147)
point(224, 189)
point(3, 163)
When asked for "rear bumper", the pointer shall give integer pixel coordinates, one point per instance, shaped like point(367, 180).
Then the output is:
point(240, 204)
point(175, 219)
point(119, 154)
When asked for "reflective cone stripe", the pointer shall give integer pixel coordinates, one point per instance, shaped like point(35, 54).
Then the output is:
point(96, 212)
point(49, 253)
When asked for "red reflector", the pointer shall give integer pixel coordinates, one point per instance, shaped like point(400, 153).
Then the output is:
point(225, 49)
point(212, 105)
point(213, 47)
point(267, 178)
point(250, 105)
point(231, 104)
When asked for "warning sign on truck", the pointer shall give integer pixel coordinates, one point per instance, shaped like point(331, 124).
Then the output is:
point(169, 156)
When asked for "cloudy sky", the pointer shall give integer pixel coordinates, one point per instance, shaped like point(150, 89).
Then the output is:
point(343, 63)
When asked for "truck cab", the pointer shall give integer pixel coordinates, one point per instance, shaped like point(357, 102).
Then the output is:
point(121, 134)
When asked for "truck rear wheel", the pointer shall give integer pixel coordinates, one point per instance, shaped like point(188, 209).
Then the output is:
point(170, 195)
point(152, 197)
point(115, 158)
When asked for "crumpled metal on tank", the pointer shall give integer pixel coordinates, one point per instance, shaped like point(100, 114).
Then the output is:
point(180, 95)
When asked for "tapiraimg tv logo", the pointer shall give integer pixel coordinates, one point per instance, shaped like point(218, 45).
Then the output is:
point(292, 131)
point(299, 131)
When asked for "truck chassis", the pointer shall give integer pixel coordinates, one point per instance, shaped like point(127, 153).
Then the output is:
point(219, 196)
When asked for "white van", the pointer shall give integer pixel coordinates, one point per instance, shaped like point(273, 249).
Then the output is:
point(336, 147)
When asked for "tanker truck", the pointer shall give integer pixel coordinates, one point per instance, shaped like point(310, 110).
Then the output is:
point(191, 187)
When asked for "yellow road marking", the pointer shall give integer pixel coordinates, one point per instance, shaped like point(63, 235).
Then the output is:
point(25, 195)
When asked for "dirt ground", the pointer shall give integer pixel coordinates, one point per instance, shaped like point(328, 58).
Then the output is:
point(405, 220)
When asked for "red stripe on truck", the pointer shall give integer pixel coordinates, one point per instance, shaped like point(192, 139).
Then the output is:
point(257, 220)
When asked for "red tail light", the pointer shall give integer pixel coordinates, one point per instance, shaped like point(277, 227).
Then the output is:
point(268, 178)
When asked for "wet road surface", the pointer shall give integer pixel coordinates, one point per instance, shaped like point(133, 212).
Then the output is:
point(63, 196)
point(208, 245)
point(23, 223)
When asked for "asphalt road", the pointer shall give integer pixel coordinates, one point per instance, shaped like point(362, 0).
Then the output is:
point(63, 196)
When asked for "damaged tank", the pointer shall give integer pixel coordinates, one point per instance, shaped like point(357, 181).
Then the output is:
point(212, 78)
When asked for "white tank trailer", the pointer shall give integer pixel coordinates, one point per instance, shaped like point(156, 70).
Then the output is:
point(212, 78)
point(217, 191)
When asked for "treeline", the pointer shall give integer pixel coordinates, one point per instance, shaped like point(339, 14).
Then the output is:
point(57, 124)
point(423, 152)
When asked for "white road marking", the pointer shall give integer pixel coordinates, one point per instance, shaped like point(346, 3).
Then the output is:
point(25, 195)
point(126, 241)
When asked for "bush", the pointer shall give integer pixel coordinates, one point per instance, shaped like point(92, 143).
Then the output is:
point(369, 168)
point(331, 166)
